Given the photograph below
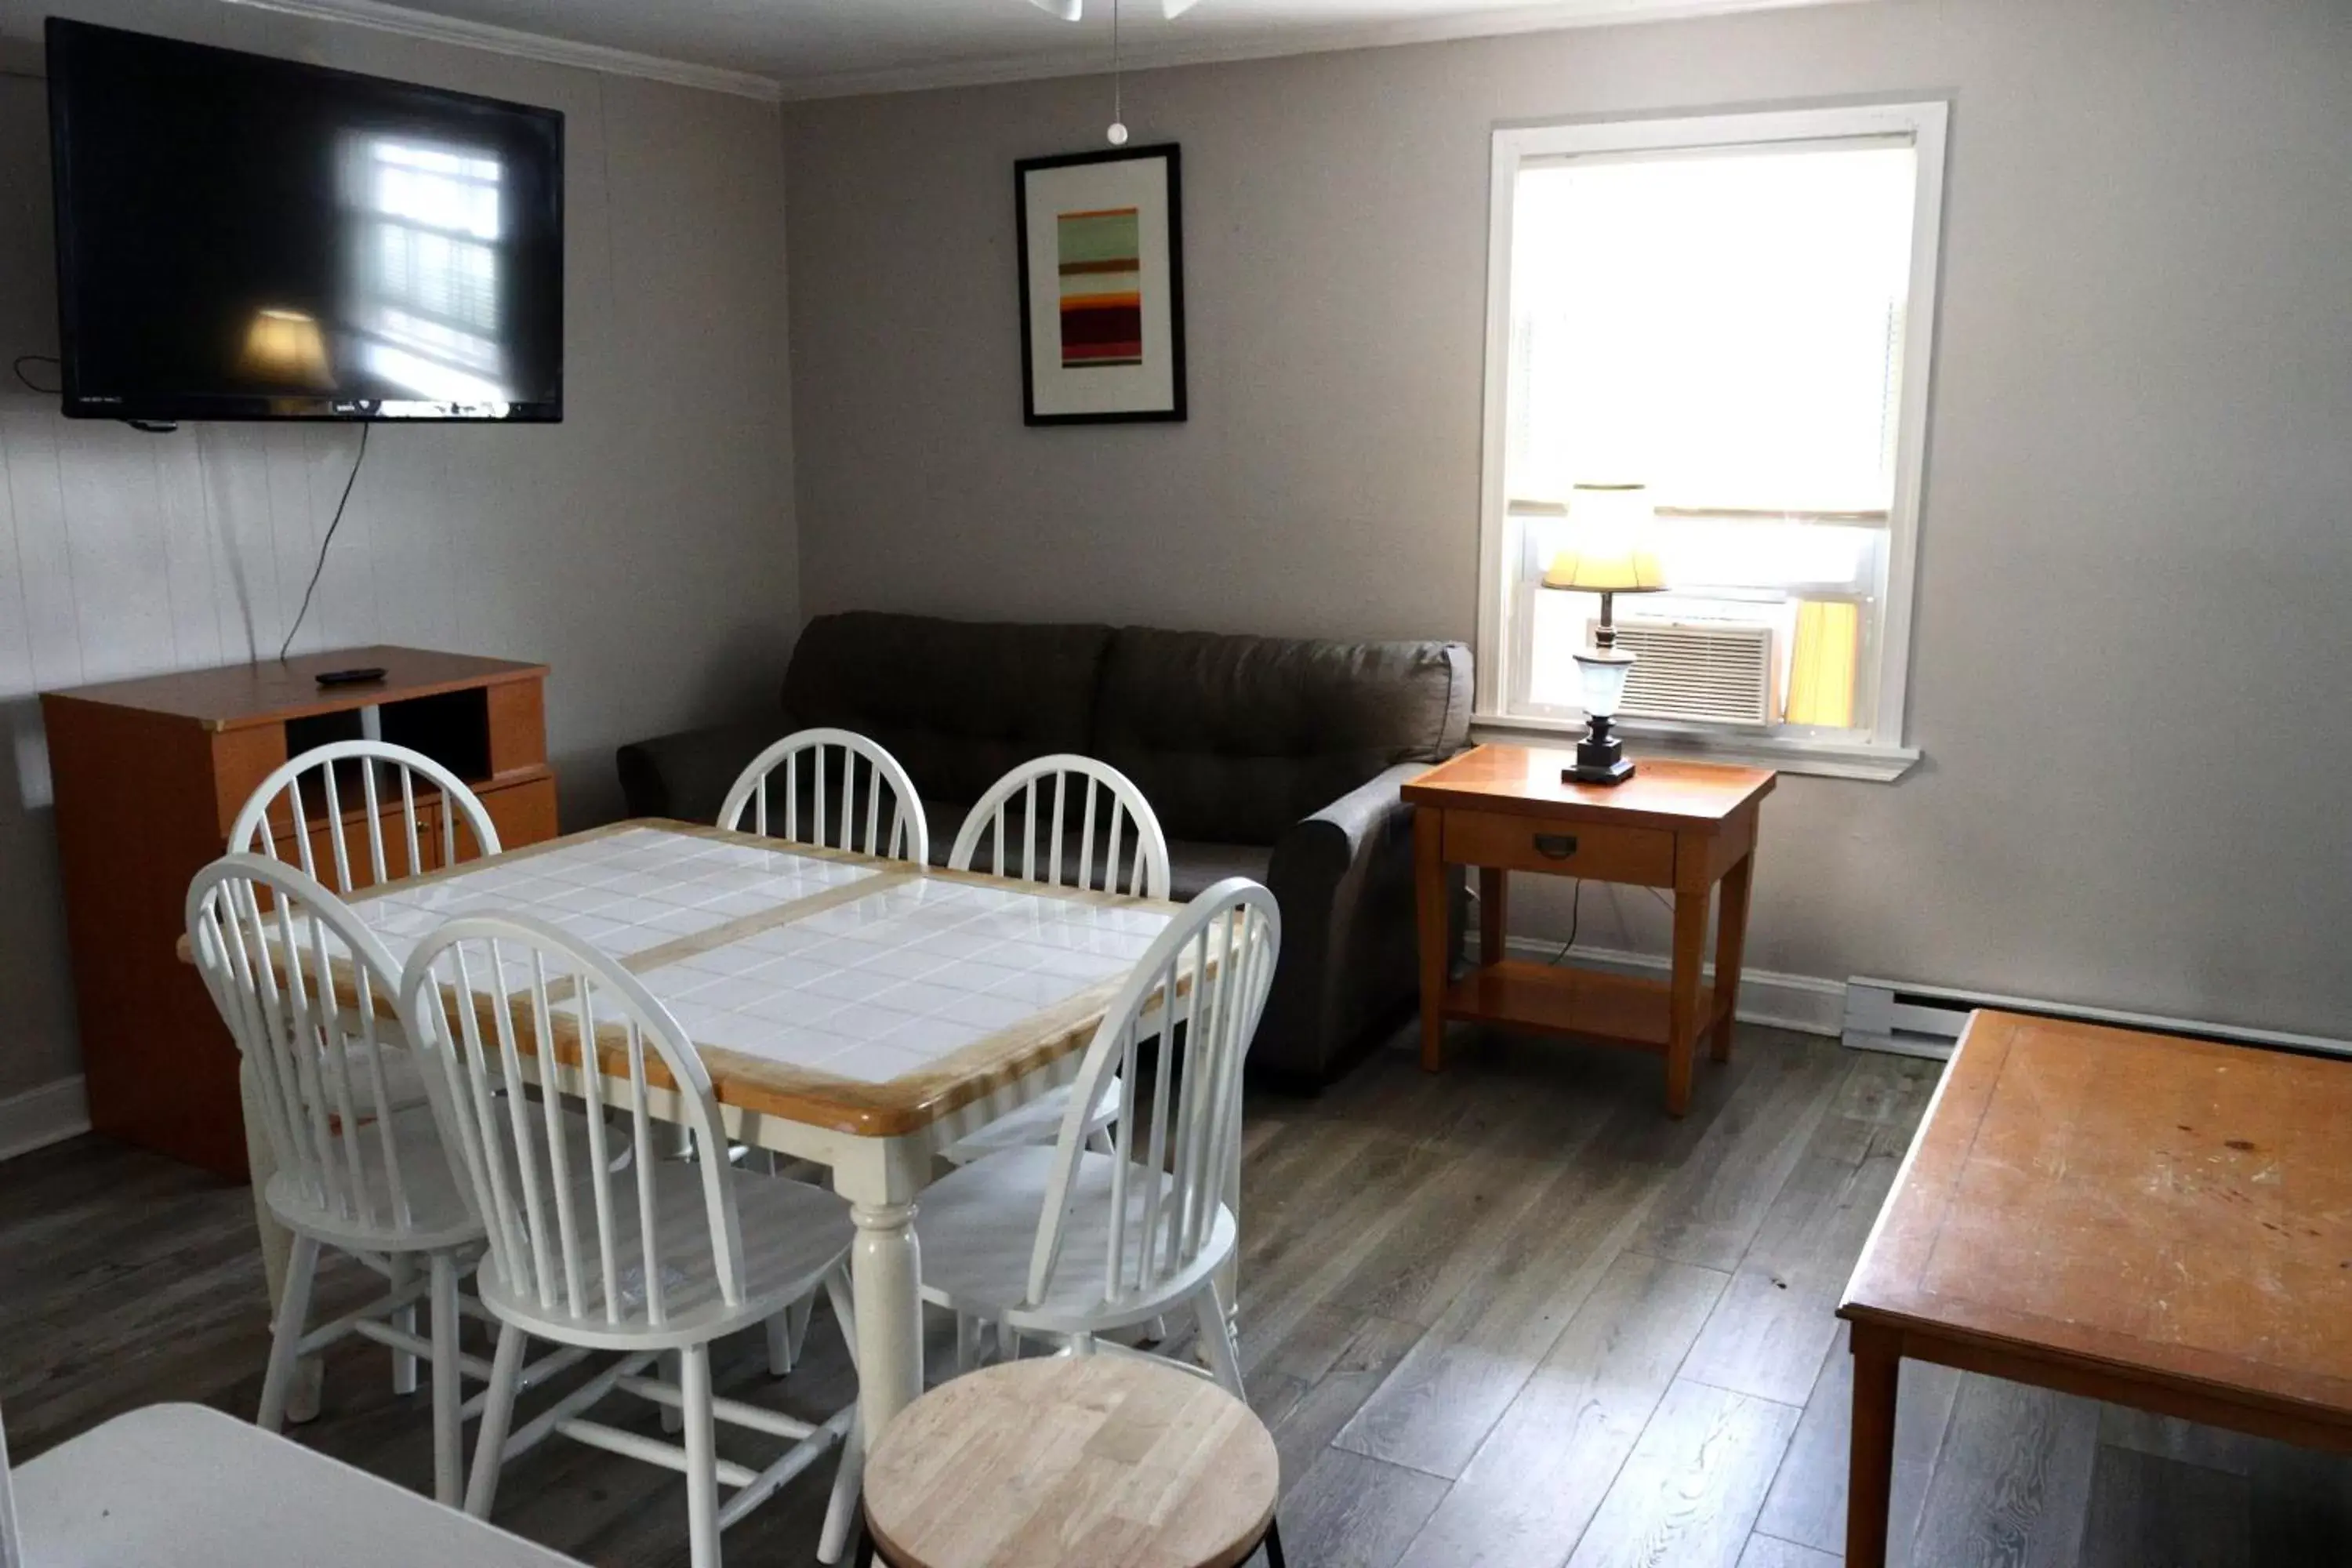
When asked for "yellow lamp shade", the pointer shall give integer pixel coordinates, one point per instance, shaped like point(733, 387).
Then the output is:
point(1617, 572)
point(1609, 529)
point(285, 348)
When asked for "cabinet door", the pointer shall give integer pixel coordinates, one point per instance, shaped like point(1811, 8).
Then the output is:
point(523, 811)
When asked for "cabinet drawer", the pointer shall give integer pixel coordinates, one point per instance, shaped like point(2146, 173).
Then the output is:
point(1604, 852)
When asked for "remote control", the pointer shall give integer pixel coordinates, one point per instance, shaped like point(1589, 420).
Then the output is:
point(360, 677)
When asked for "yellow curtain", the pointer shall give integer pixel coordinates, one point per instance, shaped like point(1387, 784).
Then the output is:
point(1821, 670)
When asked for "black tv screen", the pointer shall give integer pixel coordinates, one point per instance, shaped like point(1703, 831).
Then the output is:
point(242, 237)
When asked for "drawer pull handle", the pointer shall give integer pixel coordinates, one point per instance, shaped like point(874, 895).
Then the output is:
point(1556, 845)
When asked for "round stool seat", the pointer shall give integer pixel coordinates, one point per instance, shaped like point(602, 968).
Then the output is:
point(1108, 1462)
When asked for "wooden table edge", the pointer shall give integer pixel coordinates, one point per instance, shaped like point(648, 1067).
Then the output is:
point(2205, 1400)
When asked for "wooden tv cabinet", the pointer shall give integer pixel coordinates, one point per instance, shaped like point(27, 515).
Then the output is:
point(150, 774)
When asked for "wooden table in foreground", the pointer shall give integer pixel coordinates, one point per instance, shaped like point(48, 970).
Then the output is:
point(862, 1013)
point(2162, 1223)
point(1679, 825)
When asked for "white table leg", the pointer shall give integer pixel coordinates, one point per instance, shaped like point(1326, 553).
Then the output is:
point(880, 1179)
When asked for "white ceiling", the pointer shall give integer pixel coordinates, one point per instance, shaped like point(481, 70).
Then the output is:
point(820, 48)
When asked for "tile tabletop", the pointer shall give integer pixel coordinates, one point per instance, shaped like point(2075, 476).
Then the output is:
point(868, 996)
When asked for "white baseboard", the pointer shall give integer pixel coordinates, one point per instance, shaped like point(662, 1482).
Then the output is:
point(1808, 1004)
point(40, 1117)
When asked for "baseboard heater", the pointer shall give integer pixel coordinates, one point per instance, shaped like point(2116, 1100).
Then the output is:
point(1910, 1020)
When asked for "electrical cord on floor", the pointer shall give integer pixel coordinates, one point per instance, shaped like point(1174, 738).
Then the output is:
point(23, 360)
point(361, 457)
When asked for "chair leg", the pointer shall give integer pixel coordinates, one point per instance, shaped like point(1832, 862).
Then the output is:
point(497, 1414)
point(787, 1332)
point(1273, 1544)
point(673, 1372)
point(448, 1393)
point(968, 1328)
point(701, 1459)
point(293, 1311)
point(1217, 1340)
point(400, 1269)
point(797, 1318)
point(841, 1508)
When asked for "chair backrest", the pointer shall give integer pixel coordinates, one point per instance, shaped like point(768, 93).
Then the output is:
point(1109, 816)
point(829, 800)
point(1200, 989)
point(511, 1016)
point(314, 788)
point(299, 981)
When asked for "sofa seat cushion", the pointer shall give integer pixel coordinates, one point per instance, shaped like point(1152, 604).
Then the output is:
point(958, 703)
point(1233, 739)
point(1194, 867)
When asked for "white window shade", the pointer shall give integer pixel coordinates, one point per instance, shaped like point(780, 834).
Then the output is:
point(1727, 324)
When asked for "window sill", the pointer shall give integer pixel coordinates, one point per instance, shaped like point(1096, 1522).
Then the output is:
point(1865, 760)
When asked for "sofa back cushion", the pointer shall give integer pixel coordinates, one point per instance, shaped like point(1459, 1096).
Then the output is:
point(1233, 738)
point(958, 703)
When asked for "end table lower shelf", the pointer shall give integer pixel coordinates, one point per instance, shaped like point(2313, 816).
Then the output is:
point(1581, 1004)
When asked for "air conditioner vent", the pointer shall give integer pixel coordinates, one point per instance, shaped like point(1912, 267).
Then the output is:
point(1719, 670)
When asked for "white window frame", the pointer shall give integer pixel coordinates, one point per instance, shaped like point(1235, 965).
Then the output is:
point(1882, 753)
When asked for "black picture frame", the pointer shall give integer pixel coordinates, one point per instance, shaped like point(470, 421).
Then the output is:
point(1175, 411)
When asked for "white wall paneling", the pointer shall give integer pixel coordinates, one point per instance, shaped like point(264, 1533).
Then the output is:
point(644, 548)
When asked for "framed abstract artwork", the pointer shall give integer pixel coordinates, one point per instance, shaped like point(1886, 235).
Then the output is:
point(1102, 287)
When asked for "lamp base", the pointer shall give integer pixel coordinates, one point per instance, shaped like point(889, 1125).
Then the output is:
point(1599, 757)
point(1616, 773)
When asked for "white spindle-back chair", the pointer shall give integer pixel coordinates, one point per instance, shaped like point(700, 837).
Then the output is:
point(1066, 1243)
point(312, 787)
point(307, 991)
point(310, 795)
point(1093, 817)
point(643, 1254)
point(826, 803)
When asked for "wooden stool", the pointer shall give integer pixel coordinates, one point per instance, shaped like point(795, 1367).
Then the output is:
point(1077, 1462)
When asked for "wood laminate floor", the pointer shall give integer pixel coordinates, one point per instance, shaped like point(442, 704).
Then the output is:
point(1508, 1317)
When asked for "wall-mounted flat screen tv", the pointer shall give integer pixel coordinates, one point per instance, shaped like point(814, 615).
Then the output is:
point(243, 238)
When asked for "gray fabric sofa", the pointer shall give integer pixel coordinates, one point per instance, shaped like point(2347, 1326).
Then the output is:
point(1272, 758)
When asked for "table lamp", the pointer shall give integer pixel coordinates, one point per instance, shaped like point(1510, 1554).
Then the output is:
point(1608, 554)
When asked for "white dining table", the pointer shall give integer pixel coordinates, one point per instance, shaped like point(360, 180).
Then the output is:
point(860, 1013)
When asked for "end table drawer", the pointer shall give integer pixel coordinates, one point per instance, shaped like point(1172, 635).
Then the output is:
point(1601, 851)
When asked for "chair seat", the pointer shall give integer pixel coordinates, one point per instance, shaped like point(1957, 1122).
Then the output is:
point(792, 1233)
point(979, 1224)
point(439, 1213)
point(1039, 1122)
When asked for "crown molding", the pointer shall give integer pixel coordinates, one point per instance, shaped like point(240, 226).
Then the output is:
point(1554, 15)
point(409, 23)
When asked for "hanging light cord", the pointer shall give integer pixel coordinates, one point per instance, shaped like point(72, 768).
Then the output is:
point(1117, 116)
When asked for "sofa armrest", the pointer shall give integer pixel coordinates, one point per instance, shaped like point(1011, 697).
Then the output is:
point(687, 774)
point(1344, 879)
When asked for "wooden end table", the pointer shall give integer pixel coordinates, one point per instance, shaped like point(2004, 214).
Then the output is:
point(2162, 1223)
point(1679, 825)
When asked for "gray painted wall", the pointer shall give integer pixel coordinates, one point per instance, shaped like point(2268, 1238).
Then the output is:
point(644, 548)
point(2129, 670)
